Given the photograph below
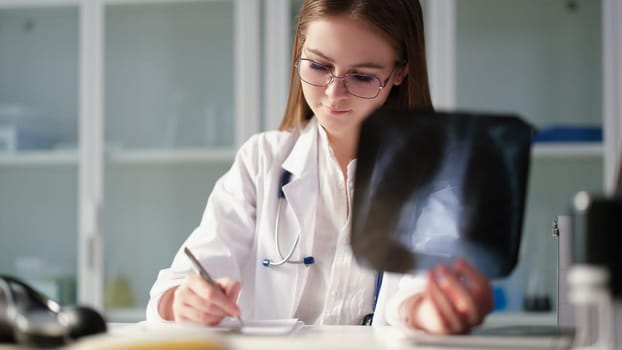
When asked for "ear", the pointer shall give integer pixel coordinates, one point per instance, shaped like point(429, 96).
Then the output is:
point(401, 75)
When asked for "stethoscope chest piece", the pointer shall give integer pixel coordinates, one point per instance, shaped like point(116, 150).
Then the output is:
point(307, 260)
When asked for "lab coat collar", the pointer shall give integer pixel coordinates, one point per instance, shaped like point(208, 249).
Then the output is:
point(301, 194)
point(304, 152)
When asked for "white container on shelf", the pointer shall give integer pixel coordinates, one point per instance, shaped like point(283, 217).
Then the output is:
point(7, 139)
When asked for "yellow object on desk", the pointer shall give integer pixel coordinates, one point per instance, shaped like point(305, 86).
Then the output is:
point(175, 338)
point(167, 345)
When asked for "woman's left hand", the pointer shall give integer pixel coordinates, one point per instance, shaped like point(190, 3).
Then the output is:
point(454, 300)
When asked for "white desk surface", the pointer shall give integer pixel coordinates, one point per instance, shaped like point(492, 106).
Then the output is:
point(315, 337)
point(121, 335)
point(320, 337)
point(333, 337)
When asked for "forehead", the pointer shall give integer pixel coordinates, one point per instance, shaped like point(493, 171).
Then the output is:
point(348, 41)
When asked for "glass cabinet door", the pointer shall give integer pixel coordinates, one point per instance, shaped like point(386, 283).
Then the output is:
point(540, 59)
point(170, 133)
point(169, 75)
point(39, 74)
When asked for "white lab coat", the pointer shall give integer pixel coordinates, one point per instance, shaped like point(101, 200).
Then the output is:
point(237, 230)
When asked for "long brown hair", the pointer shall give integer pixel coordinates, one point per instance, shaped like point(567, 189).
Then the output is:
point(399, 21)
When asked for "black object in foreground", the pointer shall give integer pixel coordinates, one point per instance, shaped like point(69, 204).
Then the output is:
point(432, 186)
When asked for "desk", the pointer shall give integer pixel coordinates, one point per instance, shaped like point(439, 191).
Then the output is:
point(336, 337)
point(320, 337)
point(306, 338)
point(333, 337)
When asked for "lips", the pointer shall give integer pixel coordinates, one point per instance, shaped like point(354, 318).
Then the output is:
point(337, 110)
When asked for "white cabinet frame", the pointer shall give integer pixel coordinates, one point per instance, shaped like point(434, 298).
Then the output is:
point(441, 52)
point(277, 53)
point(91, 157)
point(247, 55)
point(612, 89)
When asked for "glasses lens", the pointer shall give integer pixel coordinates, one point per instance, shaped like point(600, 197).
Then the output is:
point(360, 85)
point(313, 73)
point(363, 85)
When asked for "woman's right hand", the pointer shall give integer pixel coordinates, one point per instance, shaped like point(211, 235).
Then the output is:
point(197, 302)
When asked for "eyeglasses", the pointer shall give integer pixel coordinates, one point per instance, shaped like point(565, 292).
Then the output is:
point(360, 85)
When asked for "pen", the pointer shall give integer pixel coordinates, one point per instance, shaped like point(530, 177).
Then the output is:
point(205, 275)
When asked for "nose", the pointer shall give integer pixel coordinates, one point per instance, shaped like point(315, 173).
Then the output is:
point(336, 87)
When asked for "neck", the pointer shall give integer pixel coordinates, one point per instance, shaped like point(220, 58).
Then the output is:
point(344, 148)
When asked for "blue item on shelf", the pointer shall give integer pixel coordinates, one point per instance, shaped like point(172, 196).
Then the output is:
point(558, 133)
point(15, 139)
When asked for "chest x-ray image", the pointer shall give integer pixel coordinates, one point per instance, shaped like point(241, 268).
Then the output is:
point(432, 186)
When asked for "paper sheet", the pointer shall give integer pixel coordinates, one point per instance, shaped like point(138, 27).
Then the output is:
point(260, 327)
point(228, 325)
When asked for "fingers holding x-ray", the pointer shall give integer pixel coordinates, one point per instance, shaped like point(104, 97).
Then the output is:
point(455, 299)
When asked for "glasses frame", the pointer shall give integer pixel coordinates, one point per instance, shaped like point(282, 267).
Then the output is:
point(333, 77)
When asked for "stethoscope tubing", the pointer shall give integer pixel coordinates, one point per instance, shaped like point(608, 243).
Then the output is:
point(287, 258)
point(284, 180)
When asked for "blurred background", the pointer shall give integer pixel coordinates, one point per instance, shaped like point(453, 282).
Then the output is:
point(117, 117)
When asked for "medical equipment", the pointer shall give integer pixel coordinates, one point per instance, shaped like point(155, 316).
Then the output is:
point(29, 318)
point(307, 260)
point(594, 278)
point(590, 269)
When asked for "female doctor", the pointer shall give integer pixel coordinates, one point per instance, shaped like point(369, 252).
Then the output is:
point(275, 231)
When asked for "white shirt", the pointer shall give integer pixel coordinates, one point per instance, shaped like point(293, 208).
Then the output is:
point(337, 290)
point(237, 229)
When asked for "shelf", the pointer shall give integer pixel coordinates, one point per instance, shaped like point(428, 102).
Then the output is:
point(568, 150)
point(125, 314)
point(166, 156)
point(200, 155)
point(39, 158)
point(121, 157)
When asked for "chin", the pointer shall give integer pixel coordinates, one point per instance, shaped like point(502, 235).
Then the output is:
point(339, 126)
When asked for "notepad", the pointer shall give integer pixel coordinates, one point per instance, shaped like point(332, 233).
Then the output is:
point(260, 327)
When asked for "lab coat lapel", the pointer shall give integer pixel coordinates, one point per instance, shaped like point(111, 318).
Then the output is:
point(301, 194)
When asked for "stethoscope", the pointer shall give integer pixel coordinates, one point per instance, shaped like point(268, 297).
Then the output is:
point(307, 260)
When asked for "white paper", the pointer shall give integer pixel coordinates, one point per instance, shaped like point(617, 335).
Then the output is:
point(260, 327)
point(228, 325)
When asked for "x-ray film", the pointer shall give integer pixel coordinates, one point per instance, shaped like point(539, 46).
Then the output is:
point(431, 187)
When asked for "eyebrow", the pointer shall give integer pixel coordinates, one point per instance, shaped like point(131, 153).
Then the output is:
point(358, 65)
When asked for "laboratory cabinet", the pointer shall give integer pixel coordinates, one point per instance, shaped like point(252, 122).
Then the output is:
point(39, 84)
point(118, 116)
point(116, 119)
